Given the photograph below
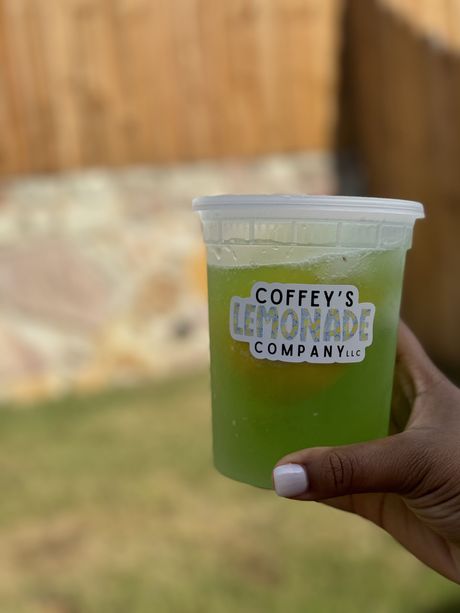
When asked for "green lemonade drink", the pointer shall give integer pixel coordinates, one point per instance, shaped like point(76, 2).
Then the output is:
point(302, 333)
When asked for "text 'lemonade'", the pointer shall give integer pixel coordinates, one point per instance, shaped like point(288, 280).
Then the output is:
point(278, 325)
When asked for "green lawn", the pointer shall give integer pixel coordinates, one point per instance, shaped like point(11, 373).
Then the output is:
point(111, 505)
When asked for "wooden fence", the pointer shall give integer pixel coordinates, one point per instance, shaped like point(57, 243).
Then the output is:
point(403, 79)
point(88, 82)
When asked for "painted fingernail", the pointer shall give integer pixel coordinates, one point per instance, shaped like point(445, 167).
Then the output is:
point(290, 480)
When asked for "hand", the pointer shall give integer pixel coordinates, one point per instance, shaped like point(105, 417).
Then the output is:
point(407, 483)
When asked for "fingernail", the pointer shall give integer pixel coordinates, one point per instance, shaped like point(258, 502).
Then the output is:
point(290, 480)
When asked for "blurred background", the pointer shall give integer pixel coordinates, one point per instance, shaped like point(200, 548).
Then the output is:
point(113, 115)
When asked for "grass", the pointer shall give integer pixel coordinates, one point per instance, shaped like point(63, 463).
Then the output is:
point(110, 504)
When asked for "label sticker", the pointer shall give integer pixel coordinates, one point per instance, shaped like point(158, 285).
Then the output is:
point(293, 322)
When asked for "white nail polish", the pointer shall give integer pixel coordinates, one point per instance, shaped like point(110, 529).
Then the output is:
point(290, 480)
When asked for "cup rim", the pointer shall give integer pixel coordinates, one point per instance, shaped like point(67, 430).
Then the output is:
point(304, 205)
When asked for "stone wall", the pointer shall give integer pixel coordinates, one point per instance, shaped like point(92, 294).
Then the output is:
point(102, 273)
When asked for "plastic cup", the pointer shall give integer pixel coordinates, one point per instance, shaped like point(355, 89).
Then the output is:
point(304, 298)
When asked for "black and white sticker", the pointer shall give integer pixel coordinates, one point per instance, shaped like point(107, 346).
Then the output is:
point(293, 322)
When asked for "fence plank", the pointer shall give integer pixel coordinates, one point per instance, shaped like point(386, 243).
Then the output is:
point(452, 8)
point(20, 76)
point(62, 60)
point(12, 144)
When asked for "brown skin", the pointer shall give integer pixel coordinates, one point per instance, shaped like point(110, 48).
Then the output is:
point(407, 483)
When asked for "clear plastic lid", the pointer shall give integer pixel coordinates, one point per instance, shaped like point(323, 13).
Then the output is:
point(280, 206)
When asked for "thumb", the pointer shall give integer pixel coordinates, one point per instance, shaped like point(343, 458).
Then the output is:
point(396, 464)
